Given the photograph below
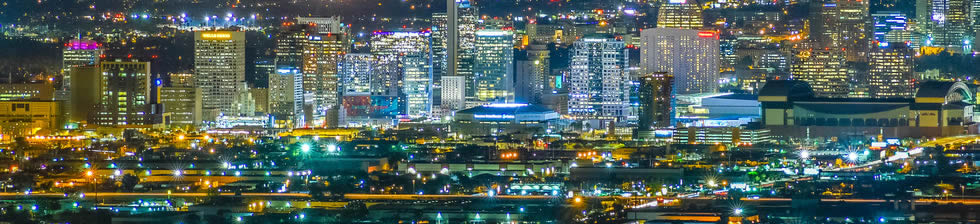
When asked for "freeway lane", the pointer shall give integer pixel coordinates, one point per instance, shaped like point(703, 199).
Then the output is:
point(409, 197)
point(118, 194)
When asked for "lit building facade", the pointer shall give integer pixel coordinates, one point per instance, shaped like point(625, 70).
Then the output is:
point(25, 118)
point(691, 56)
point(286, 96)
point(824, 70)
point(842, 24)
point(540, 56)
point(494, 67)
point(125, 94)
point(219, 63)
point(681, 14)
point(453, 93)
point(891, 72)
point(892, 28)
point(950, 23)
point(32, 91)
point(598, 82)
point(77, 53)
point(321, 53)
point(454, 49)
point(184, 106)
point(355, 73)
point(656, 97)
point(406, 58)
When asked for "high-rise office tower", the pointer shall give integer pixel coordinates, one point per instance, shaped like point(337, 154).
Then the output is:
point(126, 95)
point(87, 93)
point(183, 104)
point(950, 23)
point(524, 81)
point(355, 73)
point(322, 25)
point(286, 96)
point(891, 27)
point(77, 53)
point(320, 56)
point(598, 82)
point(286, 89)
point(540, 57)
point(891, 72)
point(842, 24)
point(454, 93)
point(417, 88)
point(405, 56)
point(656, 96)
point(824, 70)
point(975, 15)
point(691, 56)
point(494, 67)
point(219, 63)
point(454, 49)
point(683, 14)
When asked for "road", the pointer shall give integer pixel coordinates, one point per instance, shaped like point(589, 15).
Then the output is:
point(118, 194)
point(412, 197)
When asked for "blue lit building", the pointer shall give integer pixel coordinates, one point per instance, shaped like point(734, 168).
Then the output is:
point(501, 119)
point(405, 57)
point(891, 28)
point(494, 67)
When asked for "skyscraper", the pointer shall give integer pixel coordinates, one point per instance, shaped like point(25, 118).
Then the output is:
point(691, 56)
point(494, 67)
point(320, 56)
point(125, 94)
point(355, 73)
point(87, 93)
point(891, 27)
point(286, 85)
point(842, 24)
point(683, 14)
point(448, 43)
point(540, 58)
point(825, 72)
point(405, 56)
point(219, 63)
point(598, 83)
point(656, 96)
point(951, 23)
point(454, 93)
point(286, 96)
point(183, 104)
point(454, 49)
point(77, 53)
point(891, 72)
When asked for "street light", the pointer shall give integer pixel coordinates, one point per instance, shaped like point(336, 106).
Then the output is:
point(305, 148)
